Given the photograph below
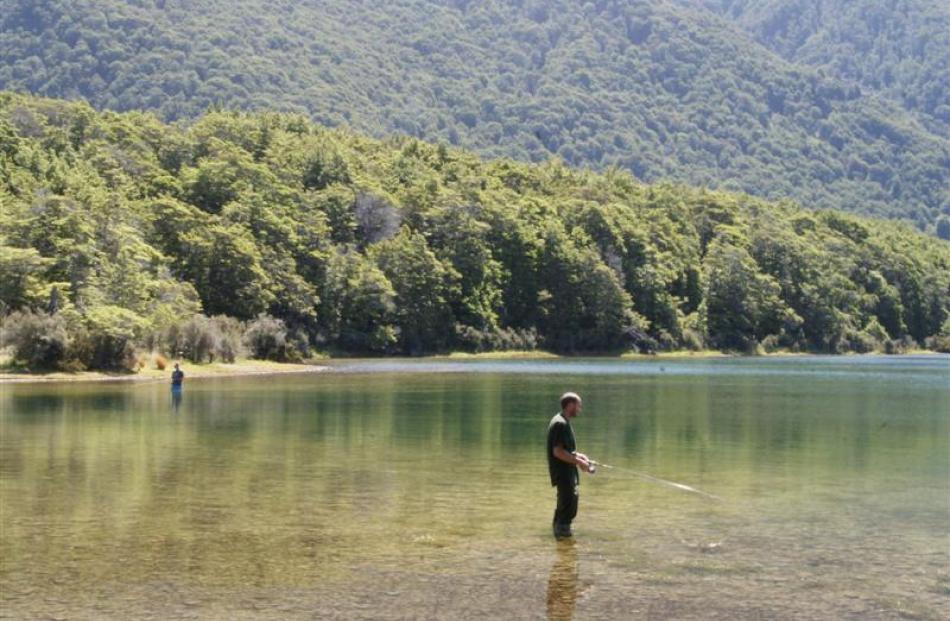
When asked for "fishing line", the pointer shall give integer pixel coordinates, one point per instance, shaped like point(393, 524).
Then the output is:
point(657, 480)
point(698, 546)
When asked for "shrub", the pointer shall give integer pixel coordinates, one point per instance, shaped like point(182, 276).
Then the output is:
point(197, 340)
point(939, 343)
point(108, 338)
point(665, 341)
point(474, 339)
point(266, 338)
point(894, 346)
point(299, 345)
point(859, 342)
point(875, 330)
point(639, 341)
point(205, 339)
point(72, 365)
point(230, 333)
point(770, 344)
point(160, 362)
point(39, 341)
point(692, 340)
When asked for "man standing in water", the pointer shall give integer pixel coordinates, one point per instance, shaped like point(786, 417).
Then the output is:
point(563, 461)
point(178, 376)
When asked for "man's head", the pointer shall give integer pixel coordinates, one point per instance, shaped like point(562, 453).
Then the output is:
point(176, 366)
point(570, 404)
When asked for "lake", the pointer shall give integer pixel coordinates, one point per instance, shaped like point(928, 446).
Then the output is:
point(418, 490)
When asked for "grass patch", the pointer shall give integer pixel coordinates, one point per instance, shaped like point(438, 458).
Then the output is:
point(670, 355)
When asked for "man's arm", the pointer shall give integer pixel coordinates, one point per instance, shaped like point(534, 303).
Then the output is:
point(575, 459)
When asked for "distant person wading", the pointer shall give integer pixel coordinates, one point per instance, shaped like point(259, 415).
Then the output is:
point(563, 461)
point(178, 376)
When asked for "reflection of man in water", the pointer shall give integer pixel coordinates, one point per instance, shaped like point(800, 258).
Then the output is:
point(563, 460)
point(562, 583)
point(178, 376)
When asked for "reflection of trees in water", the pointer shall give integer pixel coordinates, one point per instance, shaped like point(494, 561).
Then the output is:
point(30, 405)
point(390, 441)
point(562, 583)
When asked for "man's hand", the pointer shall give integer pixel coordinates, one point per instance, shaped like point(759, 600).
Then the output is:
point(583, 461)
point(578, 459)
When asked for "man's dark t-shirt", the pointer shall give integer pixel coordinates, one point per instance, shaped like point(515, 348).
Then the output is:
point(177, 377)
point(561, 432)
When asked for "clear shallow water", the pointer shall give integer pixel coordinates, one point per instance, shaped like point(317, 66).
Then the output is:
point(417, 489)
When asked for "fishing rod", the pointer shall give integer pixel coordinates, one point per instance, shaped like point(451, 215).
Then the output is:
point(652, 479)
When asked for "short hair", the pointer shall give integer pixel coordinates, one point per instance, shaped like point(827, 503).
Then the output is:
point(568, 398)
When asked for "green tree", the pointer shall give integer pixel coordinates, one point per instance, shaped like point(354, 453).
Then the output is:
point(358, 308)
point(582, 304)
point(742, 305)
point(225, 266)
point(22, 272)
point(422, 249)
point(424, 286)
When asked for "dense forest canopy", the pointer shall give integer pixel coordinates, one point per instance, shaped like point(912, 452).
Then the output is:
point(120, 231)
point(831, 103)
point(895, 48)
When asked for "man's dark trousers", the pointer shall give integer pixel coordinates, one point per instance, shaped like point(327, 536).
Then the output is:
point(566, 509)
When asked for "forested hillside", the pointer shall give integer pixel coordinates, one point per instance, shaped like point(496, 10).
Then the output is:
point(120, 231)
point(734, 95)
point(895, 48)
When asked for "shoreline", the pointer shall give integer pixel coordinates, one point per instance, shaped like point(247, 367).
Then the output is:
point(665, 355)
point(249, 368)
point(241, 368)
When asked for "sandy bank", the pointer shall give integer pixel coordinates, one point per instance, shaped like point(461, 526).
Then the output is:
point(192, 371)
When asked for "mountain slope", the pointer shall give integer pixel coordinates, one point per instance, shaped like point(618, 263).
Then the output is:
point(897, 48)
point(664, 90)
